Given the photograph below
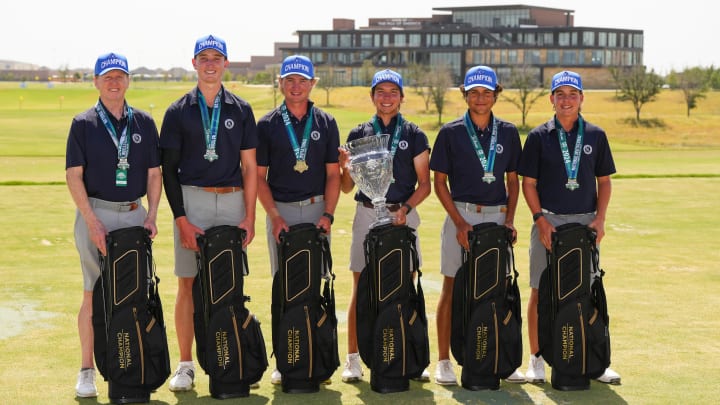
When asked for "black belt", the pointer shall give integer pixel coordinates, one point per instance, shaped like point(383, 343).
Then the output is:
point(390, 207)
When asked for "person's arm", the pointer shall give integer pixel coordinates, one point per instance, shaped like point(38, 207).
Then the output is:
point(249, 169)
point(277, 222)
point(512, 184)
point(173, 192)
point(96, 229)
point(154, 191)
point(346, 181)
point(603, 200)
point(443, 193)
point(421, 163)
point(332, 194)
point(545, 228)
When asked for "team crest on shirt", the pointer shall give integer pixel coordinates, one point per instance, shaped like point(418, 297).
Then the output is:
point(499, 149)
point(587, 149)
point(403, 145)
point(229, 123)
point(136, 138)
point(315, 135)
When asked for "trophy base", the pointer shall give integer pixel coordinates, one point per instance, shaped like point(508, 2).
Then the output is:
point(381, 222)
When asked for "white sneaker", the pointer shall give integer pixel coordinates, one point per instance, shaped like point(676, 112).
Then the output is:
point(424, 377)
point(444, 373)
point(276, 377)
point(517, 377)
point(353, 370)
point(536, 370)
point(85, 387)
point(183, 379)
point(610, 377)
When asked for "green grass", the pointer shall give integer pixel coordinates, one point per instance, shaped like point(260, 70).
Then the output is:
point(660, 255)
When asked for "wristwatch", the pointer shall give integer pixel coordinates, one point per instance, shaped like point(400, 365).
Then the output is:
point(408, 207)
point(329, 216)
point(537, 216)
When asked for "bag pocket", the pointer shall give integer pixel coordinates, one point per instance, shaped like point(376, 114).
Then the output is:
point(481, 341)
point(569, 340)
point(598, 344)
point(510, 342)
point(417, 344)
point(326, 345)
point(125, 358)
point(254, 361)
point(294, 346)
point(389, 355)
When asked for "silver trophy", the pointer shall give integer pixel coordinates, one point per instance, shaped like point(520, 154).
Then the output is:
point(371, 167)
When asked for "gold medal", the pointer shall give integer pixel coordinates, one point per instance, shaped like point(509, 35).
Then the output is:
point(300, 166)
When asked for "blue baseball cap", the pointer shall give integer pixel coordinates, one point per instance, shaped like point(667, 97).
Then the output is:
point(387, 76)
point(482, 76)
point(297, 65)
point(566, 78)
point(210, 42)
point(111, 61)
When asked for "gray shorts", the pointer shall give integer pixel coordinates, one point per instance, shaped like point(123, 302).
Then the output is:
point(450, 250)
point(364, 217)
point(538, 253)
point(113, 216)
point(205, 210)
point(293, 213)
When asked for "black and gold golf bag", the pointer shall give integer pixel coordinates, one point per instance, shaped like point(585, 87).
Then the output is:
point(486, 327)
point(572, 310)
point(304, 325)
point(130, 343)
point(391, 321)
point(229, 341)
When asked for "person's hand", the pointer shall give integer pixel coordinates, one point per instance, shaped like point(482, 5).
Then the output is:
point(97, 233)
point(400, 217)
point(462, 234)
point(324, 224)
point(343, 158)
point(249, 226)
point(188, 233)
point(151, 226)
point(545, 231)
point(279, 225)
point(599, 227)
point(511, 226)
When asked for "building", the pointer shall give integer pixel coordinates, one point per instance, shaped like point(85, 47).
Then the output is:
point(543, 39)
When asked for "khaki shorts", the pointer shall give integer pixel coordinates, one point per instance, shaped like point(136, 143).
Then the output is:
point(113, 216)
point(205, 209)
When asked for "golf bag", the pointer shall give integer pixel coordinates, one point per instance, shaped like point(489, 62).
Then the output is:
point(486, 327)
point(304, 325)
point(130, 342)
point(572, 310)
point(229, 341)
point(391, 321)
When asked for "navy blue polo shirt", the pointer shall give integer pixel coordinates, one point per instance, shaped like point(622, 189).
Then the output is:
point(542, 160)
point(89, 145)
point(413, 142)
point(276, 153)
point(182, 129)
point(454, 155)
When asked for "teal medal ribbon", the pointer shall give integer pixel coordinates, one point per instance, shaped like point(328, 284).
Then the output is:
point(571, 164)
point(122, 143)
point(487, 163)
point(396, 135)
point(299, 150)
point(210, 125)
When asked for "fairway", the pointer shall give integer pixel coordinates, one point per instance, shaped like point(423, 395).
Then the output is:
point(660, 255)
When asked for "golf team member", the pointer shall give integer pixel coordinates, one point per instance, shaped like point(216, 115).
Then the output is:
point(112, 161)
point(410, 149)
point(297, 155)
point(477, 155)
point(208, 140)
point(566, 166)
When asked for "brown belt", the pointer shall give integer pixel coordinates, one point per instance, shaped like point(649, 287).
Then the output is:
point(221, 190)
point(390, 207)
point(115, 206)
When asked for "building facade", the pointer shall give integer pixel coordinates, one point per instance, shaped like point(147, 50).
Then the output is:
point(544, 40)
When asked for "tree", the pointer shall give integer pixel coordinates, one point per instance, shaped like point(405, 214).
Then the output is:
point(329, 79)
point(439, 80)
point(694, 83)
point(638, 86)
point(420, 76)
point(526, 81)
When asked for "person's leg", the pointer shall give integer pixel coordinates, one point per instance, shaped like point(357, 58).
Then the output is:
point(443, 318)
point(184, 324)
point(353, 370)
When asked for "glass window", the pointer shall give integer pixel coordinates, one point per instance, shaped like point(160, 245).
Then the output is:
point(384, 42)
point(553, 57)
point(366, 40)
point(564, 38)
point(530, 38)
point(548, 39)
point(602, 39)
point(444, 39)
point(573, 38)
point(346, 41)
point(531, 57)
point(612, 40)
point(414, 40)
point(331, 40)
point(569, 57)
point(512, 56)
point(400, 40)
point(315, 40)
point(597, 58)
point(588, 38)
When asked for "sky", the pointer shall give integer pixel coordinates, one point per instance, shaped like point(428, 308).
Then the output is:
point(162, 33)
